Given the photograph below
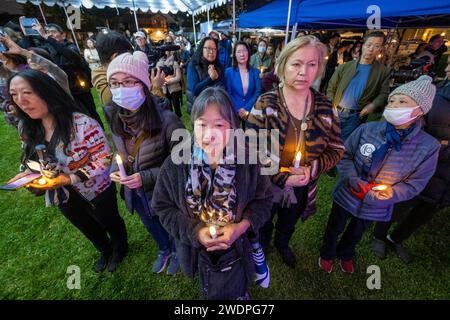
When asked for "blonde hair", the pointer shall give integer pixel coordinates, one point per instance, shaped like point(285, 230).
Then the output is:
point(293, 46)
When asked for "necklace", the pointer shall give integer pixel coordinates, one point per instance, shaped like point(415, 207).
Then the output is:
point(303, 126)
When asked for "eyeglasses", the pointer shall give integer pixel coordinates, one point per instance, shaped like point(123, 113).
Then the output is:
point(210, 49)
point(126, 84)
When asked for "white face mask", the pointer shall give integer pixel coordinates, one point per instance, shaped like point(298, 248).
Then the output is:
point(399, 116)
point(128, 98)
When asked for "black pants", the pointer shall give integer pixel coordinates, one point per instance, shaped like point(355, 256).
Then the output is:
point(99, 221)
point(410, 215)
point(287, 219)
point(175, 99)
point(88, 103)
point(337, 221)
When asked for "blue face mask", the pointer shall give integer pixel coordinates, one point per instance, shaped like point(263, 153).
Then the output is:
point(261, 49)
point(128, 98)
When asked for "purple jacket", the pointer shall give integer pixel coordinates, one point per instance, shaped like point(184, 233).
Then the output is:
point(407, 171)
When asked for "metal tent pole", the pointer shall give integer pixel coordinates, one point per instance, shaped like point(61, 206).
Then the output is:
point(286, 38)
point(42, 13)
point(71, 28)
point(135, 17)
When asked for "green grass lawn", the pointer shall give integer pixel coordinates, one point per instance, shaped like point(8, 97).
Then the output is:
point(37, 244)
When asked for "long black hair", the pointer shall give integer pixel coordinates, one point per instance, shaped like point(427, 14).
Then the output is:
point(249, 53)
point(148, 115)
point(197, 58)
point(60, 105)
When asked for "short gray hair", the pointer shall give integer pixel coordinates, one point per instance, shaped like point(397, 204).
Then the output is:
point(218, 96)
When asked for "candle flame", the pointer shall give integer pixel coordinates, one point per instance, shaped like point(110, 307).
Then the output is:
point(380, 187)
point(213, 231)
point(118, 159)
point(298, 156)
point(42, 181)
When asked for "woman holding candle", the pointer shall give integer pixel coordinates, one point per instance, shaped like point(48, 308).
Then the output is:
point(209, 203)
point(141, 130)
point(308, 124)
point(384, 163)
point(242, 81)
point(261, 60)
point(79, 153)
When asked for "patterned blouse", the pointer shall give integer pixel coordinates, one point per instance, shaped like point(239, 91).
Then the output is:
point(323, 144)
point(88, 157)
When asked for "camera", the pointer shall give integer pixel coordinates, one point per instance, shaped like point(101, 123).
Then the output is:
point(168, 71)
point(158, 52)
point(411, 72)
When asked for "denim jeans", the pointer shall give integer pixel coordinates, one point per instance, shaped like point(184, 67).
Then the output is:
point(349, 122)
point(151, 222)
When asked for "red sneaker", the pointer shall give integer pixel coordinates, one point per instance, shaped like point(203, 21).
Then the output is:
point(347, 266)
point(326, 265)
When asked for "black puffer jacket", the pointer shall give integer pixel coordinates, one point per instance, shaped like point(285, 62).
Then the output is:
point(438, 125)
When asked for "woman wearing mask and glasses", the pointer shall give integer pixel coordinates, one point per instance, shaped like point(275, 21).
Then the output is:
point(141, 130)
point(204, 70)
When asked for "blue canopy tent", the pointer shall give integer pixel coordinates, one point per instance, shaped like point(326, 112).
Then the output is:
point(349, 13)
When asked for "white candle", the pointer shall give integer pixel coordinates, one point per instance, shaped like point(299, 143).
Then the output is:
point(122, 171)
point(380, 187)
point(298, 158)
point(213, 232)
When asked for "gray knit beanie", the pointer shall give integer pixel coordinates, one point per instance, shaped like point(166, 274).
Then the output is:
point(421, 90)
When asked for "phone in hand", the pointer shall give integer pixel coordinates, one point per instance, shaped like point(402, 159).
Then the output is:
point(21, 182)
point(3, 48)
point(27, 26)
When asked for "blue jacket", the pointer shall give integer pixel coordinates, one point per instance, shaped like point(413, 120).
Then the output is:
point(225, 53)
point(197, 81)
point(235, 91)
point(407, 171)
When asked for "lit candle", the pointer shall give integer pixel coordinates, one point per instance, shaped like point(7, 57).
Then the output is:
point(122, 171)
point(298, 158)
point(261, 69)
point(380, 187)
point(42, 181)
point(213, 232)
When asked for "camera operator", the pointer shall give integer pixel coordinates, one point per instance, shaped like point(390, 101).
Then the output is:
point(142, 44)
point(172, 86)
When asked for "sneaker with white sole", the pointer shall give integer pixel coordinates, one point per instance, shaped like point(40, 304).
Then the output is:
point(262, 277)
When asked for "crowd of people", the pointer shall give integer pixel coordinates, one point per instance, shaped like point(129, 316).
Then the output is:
point(213, 216)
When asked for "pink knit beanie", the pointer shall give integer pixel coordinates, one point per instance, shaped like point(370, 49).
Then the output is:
point(135, 65)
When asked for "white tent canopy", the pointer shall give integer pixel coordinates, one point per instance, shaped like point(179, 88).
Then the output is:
point(164, 6)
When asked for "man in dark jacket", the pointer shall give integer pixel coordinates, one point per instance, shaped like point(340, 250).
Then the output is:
point(142, 44)
point(67, 56)
point(436, 194)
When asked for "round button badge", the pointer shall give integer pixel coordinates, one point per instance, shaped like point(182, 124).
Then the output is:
point(367, 149)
